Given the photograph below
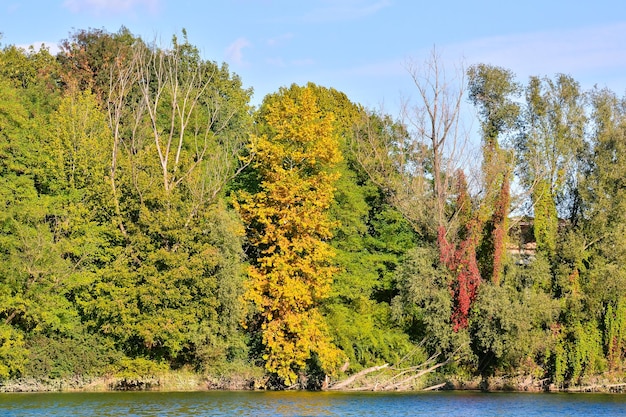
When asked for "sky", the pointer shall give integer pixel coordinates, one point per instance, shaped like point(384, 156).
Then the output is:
point(360, 47)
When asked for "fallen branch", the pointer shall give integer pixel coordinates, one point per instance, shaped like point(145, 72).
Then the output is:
point(386, 382)
point(410, 379)
point(435, 387)
point(342, 384)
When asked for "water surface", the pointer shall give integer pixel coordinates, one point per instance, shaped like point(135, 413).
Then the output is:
point(218, 403)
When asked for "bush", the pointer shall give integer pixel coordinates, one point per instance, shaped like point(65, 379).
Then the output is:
point(60, 357)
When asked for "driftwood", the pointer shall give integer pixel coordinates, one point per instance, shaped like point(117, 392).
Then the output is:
point(404, 383)
point(400, 379)
point(435, 387)
point(346, 382)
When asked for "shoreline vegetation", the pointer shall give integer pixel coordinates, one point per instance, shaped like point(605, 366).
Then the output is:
point(156, 228)
point(177, 381)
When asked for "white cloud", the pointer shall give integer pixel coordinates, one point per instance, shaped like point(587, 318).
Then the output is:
point(347, 10)
point(279, 40)
point(579, 52)
point(336, 10)
point(98, 7)
point(234, 52)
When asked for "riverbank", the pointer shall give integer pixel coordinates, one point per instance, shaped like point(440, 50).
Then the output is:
point(167, 381)
point(103, 384)
point(188, 381)
point(526, 383)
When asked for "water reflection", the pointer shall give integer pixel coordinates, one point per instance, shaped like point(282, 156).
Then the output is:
point(292, 404)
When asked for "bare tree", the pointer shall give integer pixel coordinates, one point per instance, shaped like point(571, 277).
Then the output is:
point(416, 158)
point(183, 113)
point(122, 77)
point(435, 120)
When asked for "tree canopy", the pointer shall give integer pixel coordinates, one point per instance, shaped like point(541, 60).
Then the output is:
point(153, 219)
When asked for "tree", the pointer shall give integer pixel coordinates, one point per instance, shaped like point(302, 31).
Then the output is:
point(417, 163)
point(415, 160)
point(548, 146)
point(436, 121)
point(615, 335)
point(424, 303)
point(601, 224)
point(36, 275)
point(396, 164)
point(12, 352)
point(492, 90)
point(288, 228)
point(171, 285)
point(369, 240)
point(88, 54)
point(187, 116)
point(511, 328)
point(460, 258)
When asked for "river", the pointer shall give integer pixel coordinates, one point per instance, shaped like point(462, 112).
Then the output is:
point(219, 403)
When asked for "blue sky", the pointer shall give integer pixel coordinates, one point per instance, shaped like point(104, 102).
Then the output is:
point(360, 47)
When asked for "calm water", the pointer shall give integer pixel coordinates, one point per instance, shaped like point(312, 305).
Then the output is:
point(310, 404)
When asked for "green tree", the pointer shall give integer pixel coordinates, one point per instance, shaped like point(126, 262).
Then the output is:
point(550, 142)
point(424, 304)
point(169, 288)
point(36, 270)
point(601, 224)
point(13, 355)
point(369, 240)
point(511, 323)
point(415, 160)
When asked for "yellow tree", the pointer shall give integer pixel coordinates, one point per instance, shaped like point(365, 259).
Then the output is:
point(288, 227)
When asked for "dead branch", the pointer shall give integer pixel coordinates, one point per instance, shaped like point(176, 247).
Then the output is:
point(435, 387)
point(346, 382)
point(405, 382)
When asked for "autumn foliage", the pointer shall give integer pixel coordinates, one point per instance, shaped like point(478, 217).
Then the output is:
point(288, 226)
point(460, 258)
point(499, 233)
point(148, 211)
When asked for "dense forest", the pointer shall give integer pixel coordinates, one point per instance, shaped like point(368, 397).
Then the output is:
point(152, 220)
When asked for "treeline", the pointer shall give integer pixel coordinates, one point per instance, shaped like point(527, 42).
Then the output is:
point(152, 219)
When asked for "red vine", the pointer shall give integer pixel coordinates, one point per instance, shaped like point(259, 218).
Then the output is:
point(501, 211)
point(462, 261)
